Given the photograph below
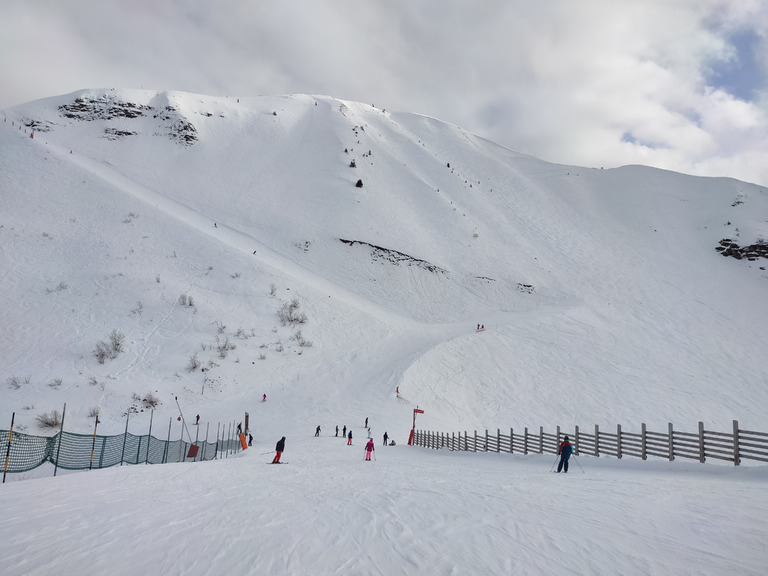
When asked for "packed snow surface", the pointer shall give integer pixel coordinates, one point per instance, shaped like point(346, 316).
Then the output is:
point(188, 223)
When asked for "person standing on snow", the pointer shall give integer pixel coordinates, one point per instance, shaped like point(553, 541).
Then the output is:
point(565, 450)
point(368, 449)
point(386, 437)
point(337, 430)
point(349, 438)
point(279, 448)
point(344, 431)
point(317, 432)
point(366, 422)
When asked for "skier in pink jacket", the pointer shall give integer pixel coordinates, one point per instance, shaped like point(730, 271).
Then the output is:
point(369, 448)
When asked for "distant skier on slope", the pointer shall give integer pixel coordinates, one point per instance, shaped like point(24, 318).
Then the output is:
point(317, 432)
point(349, 438)
point(386, 437)
point(565, 450)
point(279, 448)
point(368, 449)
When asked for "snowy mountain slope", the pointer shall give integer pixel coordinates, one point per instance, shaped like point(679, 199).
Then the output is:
point(188, 222)
point(602, 293)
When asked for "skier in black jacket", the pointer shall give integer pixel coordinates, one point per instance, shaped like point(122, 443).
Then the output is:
point(279, 448)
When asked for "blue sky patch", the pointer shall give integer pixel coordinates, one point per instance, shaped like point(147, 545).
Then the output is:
point(740, 76)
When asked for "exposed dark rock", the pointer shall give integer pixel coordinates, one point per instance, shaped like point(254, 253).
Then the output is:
point(730, 248)
point(395, 257)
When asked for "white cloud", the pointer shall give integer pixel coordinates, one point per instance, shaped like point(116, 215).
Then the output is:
point(563, 80)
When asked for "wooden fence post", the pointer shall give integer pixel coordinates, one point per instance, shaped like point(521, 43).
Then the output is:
point(618, 441)
point(671, 433)
point(466, 442)
point(597, 440)
point(558, 436)
point(525, 441)
point(486, 440)
point(643, 445)
point(702, 457)
point(498, 440)
point(541, 439)
point(475, 443)
point(511, 441)
point(736, 454)
point(576, 447)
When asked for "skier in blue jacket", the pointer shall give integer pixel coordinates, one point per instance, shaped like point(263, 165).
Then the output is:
point(565, 450)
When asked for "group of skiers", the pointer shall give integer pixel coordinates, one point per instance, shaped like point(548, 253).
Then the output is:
point(564, 450)
point(369, 447)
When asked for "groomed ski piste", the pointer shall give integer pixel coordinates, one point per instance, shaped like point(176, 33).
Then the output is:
point(601, 293)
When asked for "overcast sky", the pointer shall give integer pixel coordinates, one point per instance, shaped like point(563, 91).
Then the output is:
point(678, 84)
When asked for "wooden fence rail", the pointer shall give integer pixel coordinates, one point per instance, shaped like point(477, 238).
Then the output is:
point(733, 446)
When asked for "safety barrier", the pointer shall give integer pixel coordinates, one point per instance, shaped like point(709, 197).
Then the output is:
point(733, 446)
point(24, 452)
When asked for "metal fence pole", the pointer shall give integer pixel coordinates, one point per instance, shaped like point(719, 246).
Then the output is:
point(149, 436)
point(8, 450)
point(736, 453)
point(125, 436)
point(168, 441)
point(93, 446)
point(702, 457)
point(197, 435)
point(61, 439)
point(618, 441)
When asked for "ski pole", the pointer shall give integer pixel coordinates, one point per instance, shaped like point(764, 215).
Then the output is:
point(579, 465)
point(555, 462)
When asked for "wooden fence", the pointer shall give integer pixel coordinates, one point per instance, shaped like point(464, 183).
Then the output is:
point(733, 446)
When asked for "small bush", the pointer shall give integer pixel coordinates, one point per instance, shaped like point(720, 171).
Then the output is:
point(224, 346)
point(289, 314)
point(50, 420)
point(110, 351)
point(55, 383)
point(194, 363)
point(94, 412)
point(15, 382)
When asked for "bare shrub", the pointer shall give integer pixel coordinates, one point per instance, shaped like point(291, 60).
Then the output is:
point(93, 412)
point(55, 383)
point(51, 419)
point(194, 363)
point(262, 356)
point(300, 340)
point(224, 346)
point(110, 350)
point(220, 326)
point(16, 382)
point(272, 289)
point(116, 340)
point(289, 313)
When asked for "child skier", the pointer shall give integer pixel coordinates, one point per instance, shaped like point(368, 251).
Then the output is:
point(368, 449)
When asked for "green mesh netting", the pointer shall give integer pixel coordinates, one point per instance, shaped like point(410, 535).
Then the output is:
point(85, 451)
